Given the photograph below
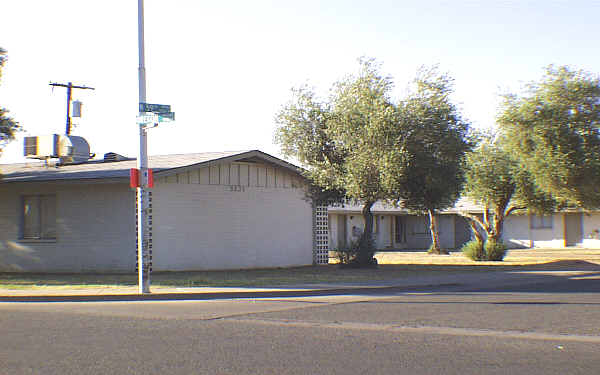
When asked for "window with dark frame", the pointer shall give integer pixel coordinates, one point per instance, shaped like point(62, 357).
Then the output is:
point(38, 217)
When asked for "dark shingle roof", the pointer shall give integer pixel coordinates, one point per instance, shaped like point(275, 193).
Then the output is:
point(99, 169)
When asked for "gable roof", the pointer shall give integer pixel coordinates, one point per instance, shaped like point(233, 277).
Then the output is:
point(162, 165)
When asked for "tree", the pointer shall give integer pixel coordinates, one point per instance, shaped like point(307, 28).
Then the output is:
point(435, 140)
point(554, 132)
point(8, 127)
point(341, 141)
point(495, 180)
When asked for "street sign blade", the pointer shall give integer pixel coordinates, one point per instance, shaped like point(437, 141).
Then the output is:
point(156, 108)
point(166, 116)
point(147, 118)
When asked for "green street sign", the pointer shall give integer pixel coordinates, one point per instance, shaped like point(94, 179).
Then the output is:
point(166, 116)
point(156, 108)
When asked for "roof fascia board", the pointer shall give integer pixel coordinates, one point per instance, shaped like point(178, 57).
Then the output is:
point(228, 159)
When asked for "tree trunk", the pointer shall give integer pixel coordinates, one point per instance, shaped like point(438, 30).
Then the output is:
point(475, 223)
point(475, 231)
point(496, 233)
point(368, 218)
point(486, 219)
point(367, 248)
point(435, 245)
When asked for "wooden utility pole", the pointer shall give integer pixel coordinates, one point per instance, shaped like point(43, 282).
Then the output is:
point(69, 87)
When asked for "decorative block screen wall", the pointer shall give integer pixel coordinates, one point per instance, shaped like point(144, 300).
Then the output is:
point(321, 235)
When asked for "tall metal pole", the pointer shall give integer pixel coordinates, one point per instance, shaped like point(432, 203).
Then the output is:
point(68, 128)
point(142, 164)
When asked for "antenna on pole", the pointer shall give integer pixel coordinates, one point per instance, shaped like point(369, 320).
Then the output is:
point(70, 86)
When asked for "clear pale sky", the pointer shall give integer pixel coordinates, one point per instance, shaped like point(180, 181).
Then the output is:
point(226, 67)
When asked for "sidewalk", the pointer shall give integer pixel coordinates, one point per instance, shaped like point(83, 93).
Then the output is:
point(438, 283)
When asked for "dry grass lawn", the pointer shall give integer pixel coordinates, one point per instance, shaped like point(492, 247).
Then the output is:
point(517, 257)
point(392, 265)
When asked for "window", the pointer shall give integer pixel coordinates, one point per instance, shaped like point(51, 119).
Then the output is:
point(540, 221)
point(39, 217)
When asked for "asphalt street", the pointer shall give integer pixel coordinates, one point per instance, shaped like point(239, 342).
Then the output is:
point(546, 327)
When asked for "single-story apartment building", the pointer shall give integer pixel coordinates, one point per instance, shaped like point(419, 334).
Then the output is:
point(218, 210)
point(396, 229)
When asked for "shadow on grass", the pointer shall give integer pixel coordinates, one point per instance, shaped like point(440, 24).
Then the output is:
point(325, 274)
point(527, 282)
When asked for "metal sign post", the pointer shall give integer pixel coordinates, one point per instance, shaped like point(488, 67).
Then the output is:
point(142, 165)
point(149, 116)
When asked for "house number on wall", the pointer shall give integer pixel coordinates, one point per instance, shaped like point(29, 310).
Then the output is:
point(238, 188)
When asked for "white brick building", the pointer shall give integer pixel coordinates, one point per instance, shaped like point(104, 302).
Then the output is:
point(210, 211)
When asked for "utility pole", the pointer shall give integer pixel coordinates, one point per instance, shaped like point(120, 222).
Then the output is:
point(142, 165)
point(69, 87)
point(150, 115)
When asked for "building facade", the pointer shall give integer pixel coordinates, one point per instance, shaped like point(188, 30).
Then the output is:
point(209, 211)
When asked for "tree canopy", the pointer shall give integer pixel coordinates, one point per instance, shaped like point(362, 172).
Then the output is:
point(495, 180)
point(362, 143)
point(553, 130)
point(435, 140)
point(418, 152)
point(8, 126)
point(341, 140)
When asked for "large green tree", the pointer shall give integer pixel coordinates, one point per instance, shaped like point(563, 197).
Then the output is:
point(8, 126)
point(495, 179)
point(341, 141)
point(554, 131)
point(433, 144)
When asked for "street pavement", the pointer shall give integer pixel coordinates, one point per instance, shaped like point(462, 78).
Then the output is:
point(478, 323)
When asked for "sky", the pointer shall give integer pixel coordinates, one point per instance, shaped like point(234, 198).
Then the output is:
point(226, 67)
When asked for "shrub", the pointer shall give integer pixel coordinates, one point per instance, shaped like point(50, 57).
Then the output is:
point(473, 250)
point(495, 250)
point(491, 250)
point(366, 252)
point(348, 253)
point(357, 254)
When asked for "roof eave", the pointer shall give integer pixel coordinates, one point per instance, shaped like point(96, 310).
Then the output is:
point(232, 158)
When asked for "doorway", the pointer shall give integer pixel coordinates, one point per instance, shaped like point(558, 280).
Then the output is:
point(573, 228)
